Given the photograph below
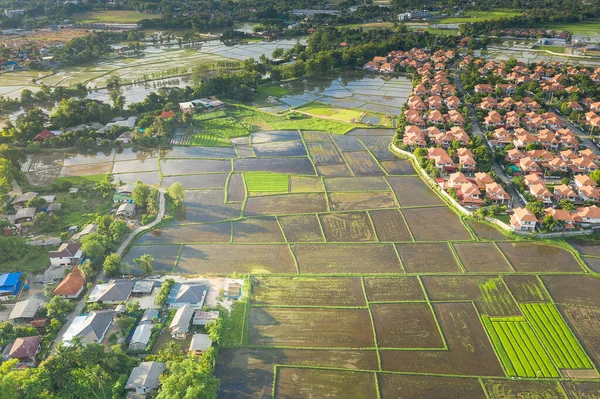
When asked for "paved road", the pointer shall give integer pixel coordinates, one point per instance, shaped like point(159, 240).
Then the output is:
point(101, 276)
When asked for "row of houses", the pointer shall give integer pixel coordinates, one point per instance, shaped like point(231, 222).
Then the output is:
point(585, 217)
point(414, 58)
point(471, 191)
point(543, 162)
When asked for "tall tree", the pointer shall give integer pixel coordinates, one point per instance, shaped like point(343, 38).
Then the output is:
point(145, 263)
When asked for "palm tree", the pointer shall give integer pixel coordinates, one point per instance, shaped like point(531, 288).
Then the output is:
point(145, 263)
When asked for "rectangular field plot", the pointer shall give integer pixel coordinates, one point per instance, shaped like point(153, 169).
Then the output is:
point(469, 350)
point(229, 258)
point(307, 291)
point(585, 247)
point(489, 294)
point(412, 191)
point(245, 151)
point(363, 164)
point(346, 258)
point(86, 169)
point(212, 180)
point(247, 373)
point(147, 165)
point(519, 349)
point(526, 288)
point(278, 135)
point(372, 132)
point(573, 290)
point(530, 257)
point(389, 225)
point(481, 257)
point(192, 233)
point(194, 166)
point(198, 152)
point(403, 288)
point(206, 206)
point(324, 153)
point(373, 183)
point(582, 390)
point(557, 338)
point(348, 143)
point(428, 258)
point(306, 184)
point(435, 224)
point(347, 227)
point(509, 389)
point(316, 136)
point(299, 383)
point(398, 167)
point(297, 166)
point(586, 323)
point(261, 182)
point(265, 229)
point(72, 159)
point(301, 228)
point(397, 386)
point(279, 149)
point(309, 327)
point(406, 325)
point(362, 201)
point(236, 189)
point(164, 257)
point(485, 231)
point(286, 204)
point(379, 147)
point(340, 170)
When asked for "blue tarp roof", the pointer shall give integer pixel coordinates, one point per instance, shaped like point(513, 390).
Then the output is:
point(9, 282)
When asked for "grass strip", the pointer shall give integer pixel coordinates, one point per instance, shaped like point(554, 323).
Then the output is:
point(500, 350)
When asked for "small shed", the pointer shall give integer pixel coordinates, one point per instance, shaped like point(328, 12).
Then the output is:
point(233, 290)
point(142, 287)
point(141, 337)
point(25, 310)
point(202, 318)
point(181, 322)
point(199, 344)
point(149, 315)
point(126, 210)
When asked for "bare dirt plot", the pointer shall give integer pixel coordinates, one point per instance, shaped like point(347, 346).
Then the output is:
point(245, 151)
point(372, 183)
point(45, 161)
point(334, 170)
point(324, 153)
point(229, 258)
point(397, 386)
point(247, 373)
point(346, 258)
point(307, 291)
point(86, 170)
point(586, 246)
point(279, 149)
point(592, 263)
point(147, 165)
point(316, 136)
point(198, 152)
point(194, 166)
point(398, 167)
point(347, 227)
point(469, 349)
point(481, 257)
point(164, 257)
point(526, 288)
point(277, 135)
point(286, 204)
point(151, 178)
point(362, 201)
point(530, 257)
point(379, 147)
point(389, 225)
point(236, 190)
point(405, 325)
point(435, 224)
point(485, 231)
point(312, 383)
point(301, 228)
point(573, 290)
point(507, 389)
point(194, 233)
point(348, 143)
point(309, 327)
point(403, 288)
point(412, 191)
point(306, 184)
point(585, 323)
point(489, 294)
point(43, 177)
point(298, 166)
point(582, 390)
point(363, 164)
point(428, 258)
point(206, 206)
point(265, 229)
point(211, 180)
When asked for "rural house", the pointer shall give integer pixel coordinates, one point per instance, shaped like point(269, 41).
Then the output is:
point(145, 378)
point(66, 255)
point(72, 285)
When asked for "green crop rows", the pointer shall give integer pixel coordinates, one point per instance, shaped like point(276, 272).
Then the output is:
point(260, 182)
point(208, 140)
point(518, 348)
point(556, 336)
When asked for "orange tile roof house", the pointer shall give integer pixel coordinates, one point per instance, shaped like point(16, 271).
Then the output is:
point(563, 191)
point(523, 220)
point(72, 285)
point(496, 193)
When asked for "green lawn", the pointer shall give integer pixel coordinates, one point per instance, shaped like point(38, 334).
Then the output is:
point(209, 140)
point(309, 123)
point(325, 110)
point(32, 263)
point(225, 127)
point(115, 17)
point(591, 26)
point(478, 16)
point(264, 182)
point(81, 181)
point(275, 91)
point(554, 49)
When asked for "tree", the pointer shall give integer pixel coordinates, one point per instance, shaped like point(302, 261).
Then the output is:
point(140, 193)
point(537, 208)
point(145, 263)
point(215, 330)
point(595, 176)
point(565, 204)
point(190, 378)
point(176, 193)
point(112, 265)
point(93, 246)
point(87, 268)
point(118, 230)
point(105, 187)
point(59, 308)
